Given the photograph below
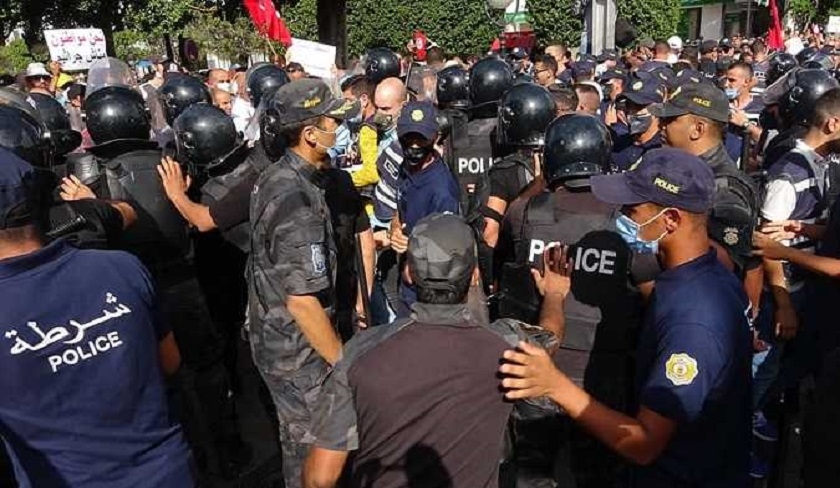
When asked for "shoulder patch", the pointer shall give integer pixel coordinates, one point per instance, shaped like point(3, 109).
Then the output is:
point(319, 260)
point(681, 369)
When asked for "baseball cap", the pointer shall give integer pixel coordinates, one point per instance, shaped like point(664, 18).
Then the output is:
point(309, 98)
point(708, 46)
point(418, 118)
point(665, 176)
point(607, 55)
point(674, 42)
point(613, 74)
point(37, 69)
point(441, 252)
point(584, 68)
point(18, 190)
point(643, 89)
point(703, 99)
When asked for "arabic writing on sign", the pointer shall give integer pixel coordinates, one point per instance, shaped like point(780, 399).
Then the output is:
point(73, 333)
point(75, 48)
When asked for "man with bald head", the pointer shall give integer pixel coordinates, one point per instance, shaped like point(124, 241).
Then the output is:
point(389, 99)
point(222, 99)
point(219, 78)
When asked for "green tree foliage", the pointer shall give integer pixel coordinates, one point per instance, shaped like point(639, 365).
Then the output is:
point(226, 39)
point(656, 19)
point(557, 21)
point(14, 57)
point(133, 45)
point(300, 18)
point(456, 25)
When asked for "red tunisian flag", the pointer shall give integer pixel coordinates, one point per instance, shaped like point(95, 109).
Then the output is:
point(775, 39)
point(268, 20)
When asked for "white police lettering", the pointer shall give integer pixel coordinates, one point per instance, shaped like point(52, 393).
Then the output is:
point(73, 333)
point(590, 260)
point(475, 166)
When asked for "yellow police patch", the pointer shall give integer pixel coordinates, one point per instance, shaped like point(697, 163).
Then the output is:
point(681, 369)
point(638, 86)
point(666, 185)
point(702, 101)
point(417, 115)
point(312, 102)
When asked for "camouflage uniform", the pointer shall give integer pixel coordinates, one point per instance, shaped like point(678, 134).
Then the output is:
point(292, 253)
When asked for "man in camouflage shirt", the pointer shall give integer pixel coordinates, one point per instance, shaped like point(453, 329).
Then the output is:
point(291, 274)
point(418, 400)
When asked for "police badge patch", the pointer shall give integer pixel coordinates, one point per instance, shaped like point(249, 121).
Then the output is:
point(681, 369)
point(730, 236)
point(319, 260)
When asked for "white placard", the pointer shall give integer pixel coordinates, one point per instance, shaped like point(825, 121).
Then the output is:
point(833, 24)
point(316, 58)
point(75, 48)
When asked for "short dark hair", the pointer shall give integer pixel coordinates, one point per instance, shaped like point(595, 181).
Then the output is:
point(758, 47)
point(363, 86)
point(547, 61)
point(435, 55)
point(586, 88)
point(565, 99)
point(691, 54)
point(293, 66)
point(661, 47)
point(445, 297)
point(827, 106)
point(747, 67)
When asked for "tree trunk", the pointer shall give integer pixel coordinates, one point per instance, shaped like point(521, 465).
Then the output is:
point(332, 27)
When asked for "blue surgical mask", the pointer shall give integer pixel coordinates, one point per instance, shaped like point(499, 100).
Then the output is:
point(629, 230)
point(731, 93)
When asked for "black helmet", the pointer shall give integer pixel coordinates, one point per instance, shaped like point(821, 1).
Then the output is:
point(805, 87)
point(22, 130)
point(179, 92)
point(819, 61)
point(780, 63)
point(489, 79)
point(453, 89)
point(116, 112)
point(204, 135)
point(263, 80)
point(524, 112)
point(51, 111)
point(382, 63)
point(577, 146)
point(806, 54)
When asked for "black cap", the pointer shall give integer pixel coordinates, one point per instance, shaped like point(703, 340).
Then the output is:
point(18, 191)
point(418, 118)
point(309, 98)
point(643, 89)
point(441, 252)
point(665, 176)
point(614, 74)
point(702, 99)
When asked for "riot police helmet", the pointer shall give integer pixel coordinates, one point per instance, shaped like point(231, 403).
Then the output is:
point(63, 138)
point(577, 146)
point(453, 89)
point(115, 113)
point(524, 113)
point(263, 80)
point(22, 130)
point(804, 88)
point(780, 64)
point(179, 92)
point(381, 63)
point(806, 54)
point(489, 80)
point(204, 136)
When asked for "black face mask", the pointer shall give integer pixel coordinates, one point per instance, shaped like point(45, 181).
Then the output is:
point(639, 124)
point(416, 155)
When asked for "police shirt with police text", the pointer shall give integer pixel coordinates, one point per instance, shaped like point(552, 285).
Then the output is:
point(83, 399)
point(693, 367)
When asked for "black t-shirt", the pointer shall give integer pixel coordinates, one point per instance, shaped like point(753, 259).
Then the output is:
point(88, 224)
point(505, 181)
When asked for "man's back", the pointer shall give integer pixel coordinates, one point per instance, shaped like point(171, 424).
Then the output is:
point(426, 402)
point(84, 401)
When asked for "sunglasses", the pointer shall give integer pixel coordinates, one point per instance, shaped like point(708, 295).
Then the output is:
point(40, 78)
point(293, 70)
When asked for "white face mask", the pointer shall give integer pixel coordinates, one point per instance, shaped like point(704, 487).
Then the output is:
point(223, 86)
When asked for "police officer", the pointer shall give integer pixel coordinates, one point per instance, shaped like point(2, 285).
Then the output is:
point(262, 80)
point(178, 92)
point(693, 361)
point(641, 91)
point(84, 223)
point(604, 302)
point(475, 154)
point(291, 273)
point(127, 160)
point(524, 113)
